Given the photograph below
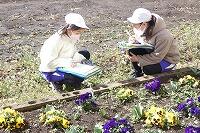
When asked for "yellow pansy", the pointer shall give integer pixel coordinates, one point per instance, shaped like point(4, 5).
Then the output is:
point(159, 117)
point(42, 117)
point(181, 80)
point(125, 94)
point(2, 122)
point(2, 119)
point(19, 125)
point(189, 77)
point(20, 120)
point(10, 111)
point(156, 119)
point(150, 111)
point(160, 111)
point(51, 120)
point(58, 118)
point(50, 112)
point(162, 123)
point(195, 84)
point(129, 92)
point(146, 114)
point(171, 118)
point(122, 95)
point(12, 120)
point(120, 91)
point(148, 122)
point(65, 123)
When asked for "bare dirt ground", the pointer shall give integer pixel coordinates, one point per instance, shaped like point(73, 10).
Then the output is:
point(30, 22)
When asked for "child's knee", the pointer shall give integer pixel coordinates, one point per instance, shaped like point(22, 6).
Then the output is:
point(85, 53)
point(152, 69)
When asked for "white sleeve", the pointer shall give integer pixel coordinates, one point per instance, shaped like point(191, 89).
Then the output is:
point(78, 57)
point(50, 51)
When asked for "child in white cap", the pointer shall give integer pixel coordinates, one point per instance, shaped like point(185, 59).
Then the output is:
point(60, 51)
point(150, 28)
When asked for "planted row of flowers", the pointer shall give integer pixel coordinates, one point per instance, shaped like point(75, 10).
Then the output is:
point(151, 116)
point(154, 116)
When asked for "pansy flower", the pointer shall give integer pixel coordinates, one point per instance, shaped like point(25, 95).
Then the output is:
point(153, 85)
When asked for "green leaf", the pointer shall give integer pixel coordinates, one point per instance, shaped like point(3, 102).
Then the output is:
point(49, 108)
point(98, 128)
point(152, 131)
point(174, 85)
point(137, 112)
point(103, 113)
point(196, 71)
point(74, 129)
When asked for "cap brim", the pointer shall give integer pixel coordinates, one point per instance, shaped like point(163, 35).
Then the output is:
point(83, 26)
point(132, 20)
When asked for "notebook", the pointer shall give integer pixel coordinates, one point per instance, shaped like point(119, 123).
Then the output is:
point(81, 70)
point(126, 45)
point(136, 48)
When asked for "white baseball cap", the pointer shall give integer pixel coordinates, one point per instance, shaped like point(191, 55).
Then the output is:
point(76, 19)
point(140, 15)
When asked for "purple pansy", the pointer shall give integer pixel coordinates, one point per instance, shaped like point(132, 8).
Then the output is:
point(78, 102)
point(192, 129)
point(199, 99)
point(190, 101)
point(190, 106)
point(154, 85)
point(83, 98)
point(123, 121)
point(195, 111)
point(120, 125)
point(181, 107)
point(110, 124)
point(87, 102)
point(124, 130)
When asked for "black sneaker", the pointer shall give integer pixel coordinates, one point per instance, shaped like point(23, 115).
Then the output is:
point(57, 87)
point(71, 86)
point(136, 75)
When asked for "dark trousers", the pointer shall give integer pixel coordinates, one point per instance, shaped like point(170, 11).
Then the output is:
point(150, 69)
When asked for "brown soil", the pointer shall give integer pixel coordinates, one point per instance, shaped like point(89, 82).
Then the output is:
point(30, 22)
point(107, 102)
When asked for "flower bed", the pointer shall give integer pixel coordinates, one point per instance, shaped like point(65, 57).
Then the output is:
point(149, 107)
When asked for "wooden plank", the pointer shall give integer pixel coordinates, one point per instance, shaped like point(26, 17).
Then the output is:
point(162, 76)
point(32, 105)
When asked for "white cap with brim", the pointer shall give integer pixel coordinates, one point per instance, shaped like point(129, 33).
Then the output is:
point(76, 19)
point(140, 15)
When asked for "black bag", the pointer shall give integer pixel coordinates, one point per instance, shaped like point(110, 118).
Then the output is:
point(141, 51)
point(136, 48)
